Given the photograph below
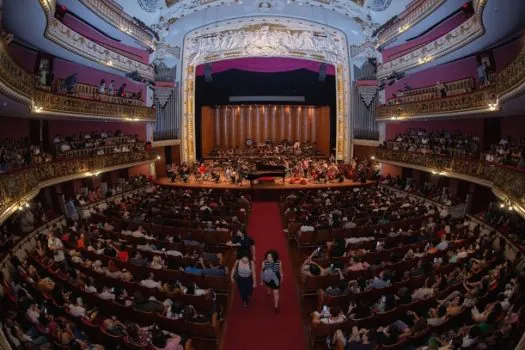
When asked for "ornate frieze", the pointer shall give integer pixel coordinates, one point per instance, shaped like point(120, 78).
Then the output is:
point(266, 37)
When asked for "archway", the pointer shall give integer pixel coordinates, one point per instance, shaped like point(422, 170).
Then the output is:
point(265, 37)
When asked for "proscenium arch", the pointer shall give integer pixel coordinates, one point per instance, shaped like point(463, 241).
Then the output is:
point(268, 36)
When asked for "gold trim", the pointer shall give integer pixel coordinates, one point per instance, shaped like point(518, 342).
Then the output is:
point(17, 185)
point(119, 19)
point(509, 82)
point(506, 180)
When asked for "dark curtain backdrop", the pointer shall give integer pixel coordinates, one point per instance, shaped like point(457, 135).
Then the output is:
point(241, 83)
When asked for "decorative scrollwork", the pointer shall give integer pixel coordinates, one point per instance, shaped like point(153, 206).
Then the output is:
point(507, 180)
point(66, 104)
point(17, 184)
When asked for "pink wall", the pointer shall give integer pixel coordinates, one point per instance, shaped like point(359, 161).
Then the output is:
point(24, 57)
point(62, 69)
point(92, 34)
point(139, 170)
point(13, 128)
point(505, 54)
point(393, 170)
point(447, 72)
point(440, 30)
point(467, 126)
point(70, 127)
point(513, 126)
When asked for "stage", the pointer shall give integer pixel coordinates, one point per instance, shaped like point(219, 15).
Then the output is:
point(263, 190)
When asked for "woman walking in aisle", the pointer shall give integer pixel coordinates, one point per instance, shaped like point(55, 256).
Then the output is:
point(243, 273)
point(272, 276)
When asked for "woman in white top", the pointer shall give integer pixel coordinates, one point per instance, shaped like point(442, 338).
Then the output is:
point(243, 274)
point(102, 87)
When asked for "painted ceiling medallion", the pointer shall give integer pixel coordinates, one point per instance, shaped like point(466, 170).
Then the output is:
point(379, 5)
point(265, 6)
point(150, 5)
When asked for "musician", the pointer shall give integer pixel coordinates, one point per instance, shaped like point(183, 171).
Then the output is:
point(202, 169)
point(184, 172)
point(215, 176)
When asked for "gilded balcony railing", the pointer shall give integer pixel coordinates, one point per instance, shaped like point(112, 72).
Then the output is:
point(46, 102)
point(407, 19)
point(479, 99)
point(16, 185)
point(19, 84)
point(510, 81)
point(13, 76)
point(507, 180)
point(119, 19)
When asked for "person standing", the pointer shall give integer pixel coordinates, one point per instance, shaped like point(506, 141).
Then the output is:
point(243, 274)
point(272, 276)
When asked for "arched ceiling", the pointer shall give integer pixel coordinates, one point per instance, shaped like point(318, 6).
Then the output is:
point(174, 18)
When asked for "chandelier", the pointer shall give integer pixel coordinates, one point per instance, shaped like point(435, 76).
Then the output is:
point(149, 5)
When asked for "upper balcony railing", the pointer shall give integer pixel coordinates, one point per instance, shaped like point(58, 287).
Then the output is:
point(16, 186)
point(506, 182)
point(460, 36)
point(119, 19)
point(16, 83)
point(408, 18)
point(509, 82)
point(64, 36)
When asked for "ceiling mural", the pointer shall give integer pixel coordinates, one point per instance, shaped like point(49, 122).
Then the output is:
point(379, 5)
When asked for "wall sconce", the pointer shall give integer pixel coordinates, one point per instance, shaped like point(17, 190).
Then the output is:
point(109, 63)
point(493, 106)
point(425, 59)
point(373, 157)
point(158, 157)
point(38, 109)
point(404, 28)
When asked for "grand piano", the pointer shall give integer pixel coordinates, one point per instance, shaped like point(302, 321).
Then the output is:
point(266, 170)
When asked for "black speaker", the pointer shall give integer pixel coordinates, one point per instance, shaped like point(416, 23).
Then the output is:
point(322, 72)
point(208, 73)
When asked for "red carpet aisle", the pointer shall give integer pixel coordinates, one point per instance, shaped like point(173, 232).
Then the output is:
point(257, 327)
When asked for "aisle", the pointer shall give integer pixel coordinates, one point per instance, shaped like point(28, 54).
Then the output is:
point(257, 327)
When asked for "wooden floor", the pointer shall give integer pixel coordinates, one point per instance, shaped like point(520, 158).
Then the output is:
point(275, 186)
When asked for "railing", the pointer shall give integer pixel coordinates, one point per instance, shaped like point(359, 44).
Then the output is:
point(509, 82)
point(119, 19)
point(16, 185)
point(453, 88)
point(14, 76)
point(91, 92)
point(506, 180)
point(46, 102)
point(460, 36)
point(407, 19)
point(475, 101)
point(20, 85)
point(75, 42)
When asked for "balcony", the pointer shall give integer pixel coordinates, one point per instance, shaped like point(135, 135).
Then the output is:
point(508, 83)
point(18, 84)
point(19, 186)
point(407, 19)
point(506, 182)
point(467, 32)
point(108, 11)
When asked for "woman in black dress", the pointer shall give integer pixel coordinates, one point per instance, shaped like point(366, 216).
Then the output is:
point(272, 275)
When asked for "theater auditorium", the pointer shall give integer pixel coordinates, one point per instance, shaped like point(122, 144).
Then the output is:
point(262, 174)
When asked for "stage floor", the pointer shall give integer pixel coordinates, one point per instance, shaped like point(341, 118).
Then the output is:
point(274, 186)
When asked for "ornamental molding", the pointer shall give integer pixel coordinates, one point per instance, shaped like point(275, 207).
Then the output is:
point(410, 17)
point(460, 36)
point(266, 37)
point(119, 19)
point(75, 42)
